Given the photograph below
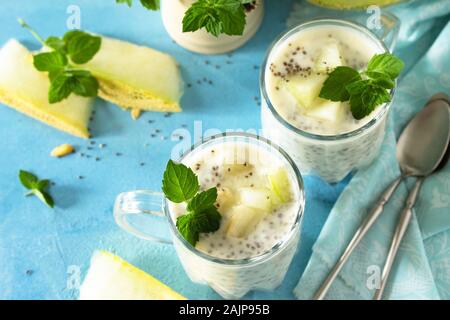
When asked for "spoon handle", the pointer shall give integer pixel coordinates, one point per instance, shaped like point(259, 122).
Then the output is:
point(360, 233)
point(400, 230)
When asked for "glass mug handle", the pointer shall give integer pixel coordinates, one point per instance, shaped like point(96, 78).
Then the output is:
point(140, 213)
point(389, 30)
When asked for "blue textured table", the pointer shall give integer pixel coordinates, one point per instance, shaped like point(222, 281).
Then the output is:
point(39, 247)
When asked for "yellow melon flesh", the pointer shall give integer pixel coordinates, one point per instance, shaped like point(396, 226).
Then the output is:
point(133, 76)
point(25, 89)
point(111, 278)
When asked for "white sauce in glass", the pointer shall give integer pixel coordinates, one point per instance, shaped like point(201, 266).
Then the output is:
point(302, 49)
point(210, 166)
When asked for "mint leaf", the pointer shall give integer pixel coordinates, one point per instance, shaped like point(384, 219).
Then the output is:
point(192, 224)
point(357, 87)
point(203, 200)
point(365, 102)
point(37, 187)
point(80, 82)
point(387, 64)
point(81, 46)
point(56, 43)
point(49, 61)
point(44, 197)
point(179, 183)
point(381, 79)
point(187, 228)
point(334, 87)
point(60, 88)
point(149, 4)
point(75, 47)
point(363, 94)
point(83, 83)
point(207, 220)
point(216, 16)
point(28, 179)
point(128, 2)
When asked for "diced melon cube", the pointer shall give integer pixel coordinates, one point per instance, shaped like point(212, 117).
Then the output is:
point(258, 198)
point(329, 57)
point(243, 221)
point(306, 90)
point(111, 278)
point(133, 76)
point(225, 199)
point(280, 186)
point(25, 89)
point(327, 110)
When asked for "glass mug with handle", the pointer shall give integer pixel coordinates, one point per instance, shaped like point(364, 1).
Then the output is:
point(148, 215)
point(330, 155)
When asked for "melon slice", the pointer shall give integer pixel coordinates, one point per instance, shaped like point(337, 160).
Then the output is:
point(327, 110)
point(306, 90)
point(133, 76)
point(243, 221)
point(257, 198)
point(280, 186)
point(111, 278)
point(329, 57)
point(25, 89)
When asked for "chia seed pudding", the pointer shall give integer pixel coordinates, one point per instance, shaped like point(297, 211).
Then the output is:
point(322, 137)
point(260, 203)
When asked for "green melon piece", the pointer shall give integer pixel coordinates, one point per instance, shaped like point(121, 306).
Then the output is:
point(329, 57)
point(327, 110)
point(306, 90)
point(133, 76)
point(352, 4)
point(25, 89)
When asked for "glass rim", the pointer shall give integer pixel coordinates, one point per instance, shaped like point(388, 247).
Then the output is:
point(282, 37)
point(282, 243)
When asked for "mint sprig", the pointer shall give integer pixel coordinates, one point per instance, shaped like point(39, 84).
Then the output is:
point(180, 184)
point(74, 48)
point(149, 4)
point(364, 90)
point(37, 187)
point(216, 16)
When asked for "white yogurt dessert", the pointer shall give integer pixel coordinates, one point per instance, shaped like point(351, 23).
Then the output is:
point(322, 136)
point(260, 199)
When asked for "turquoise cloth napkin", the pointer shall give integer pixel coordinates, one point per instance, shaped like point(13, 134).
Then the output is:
point(422, 267)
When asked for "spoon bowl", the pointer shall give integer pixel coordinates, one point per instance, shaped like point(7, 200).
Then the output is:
point(424, 142)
